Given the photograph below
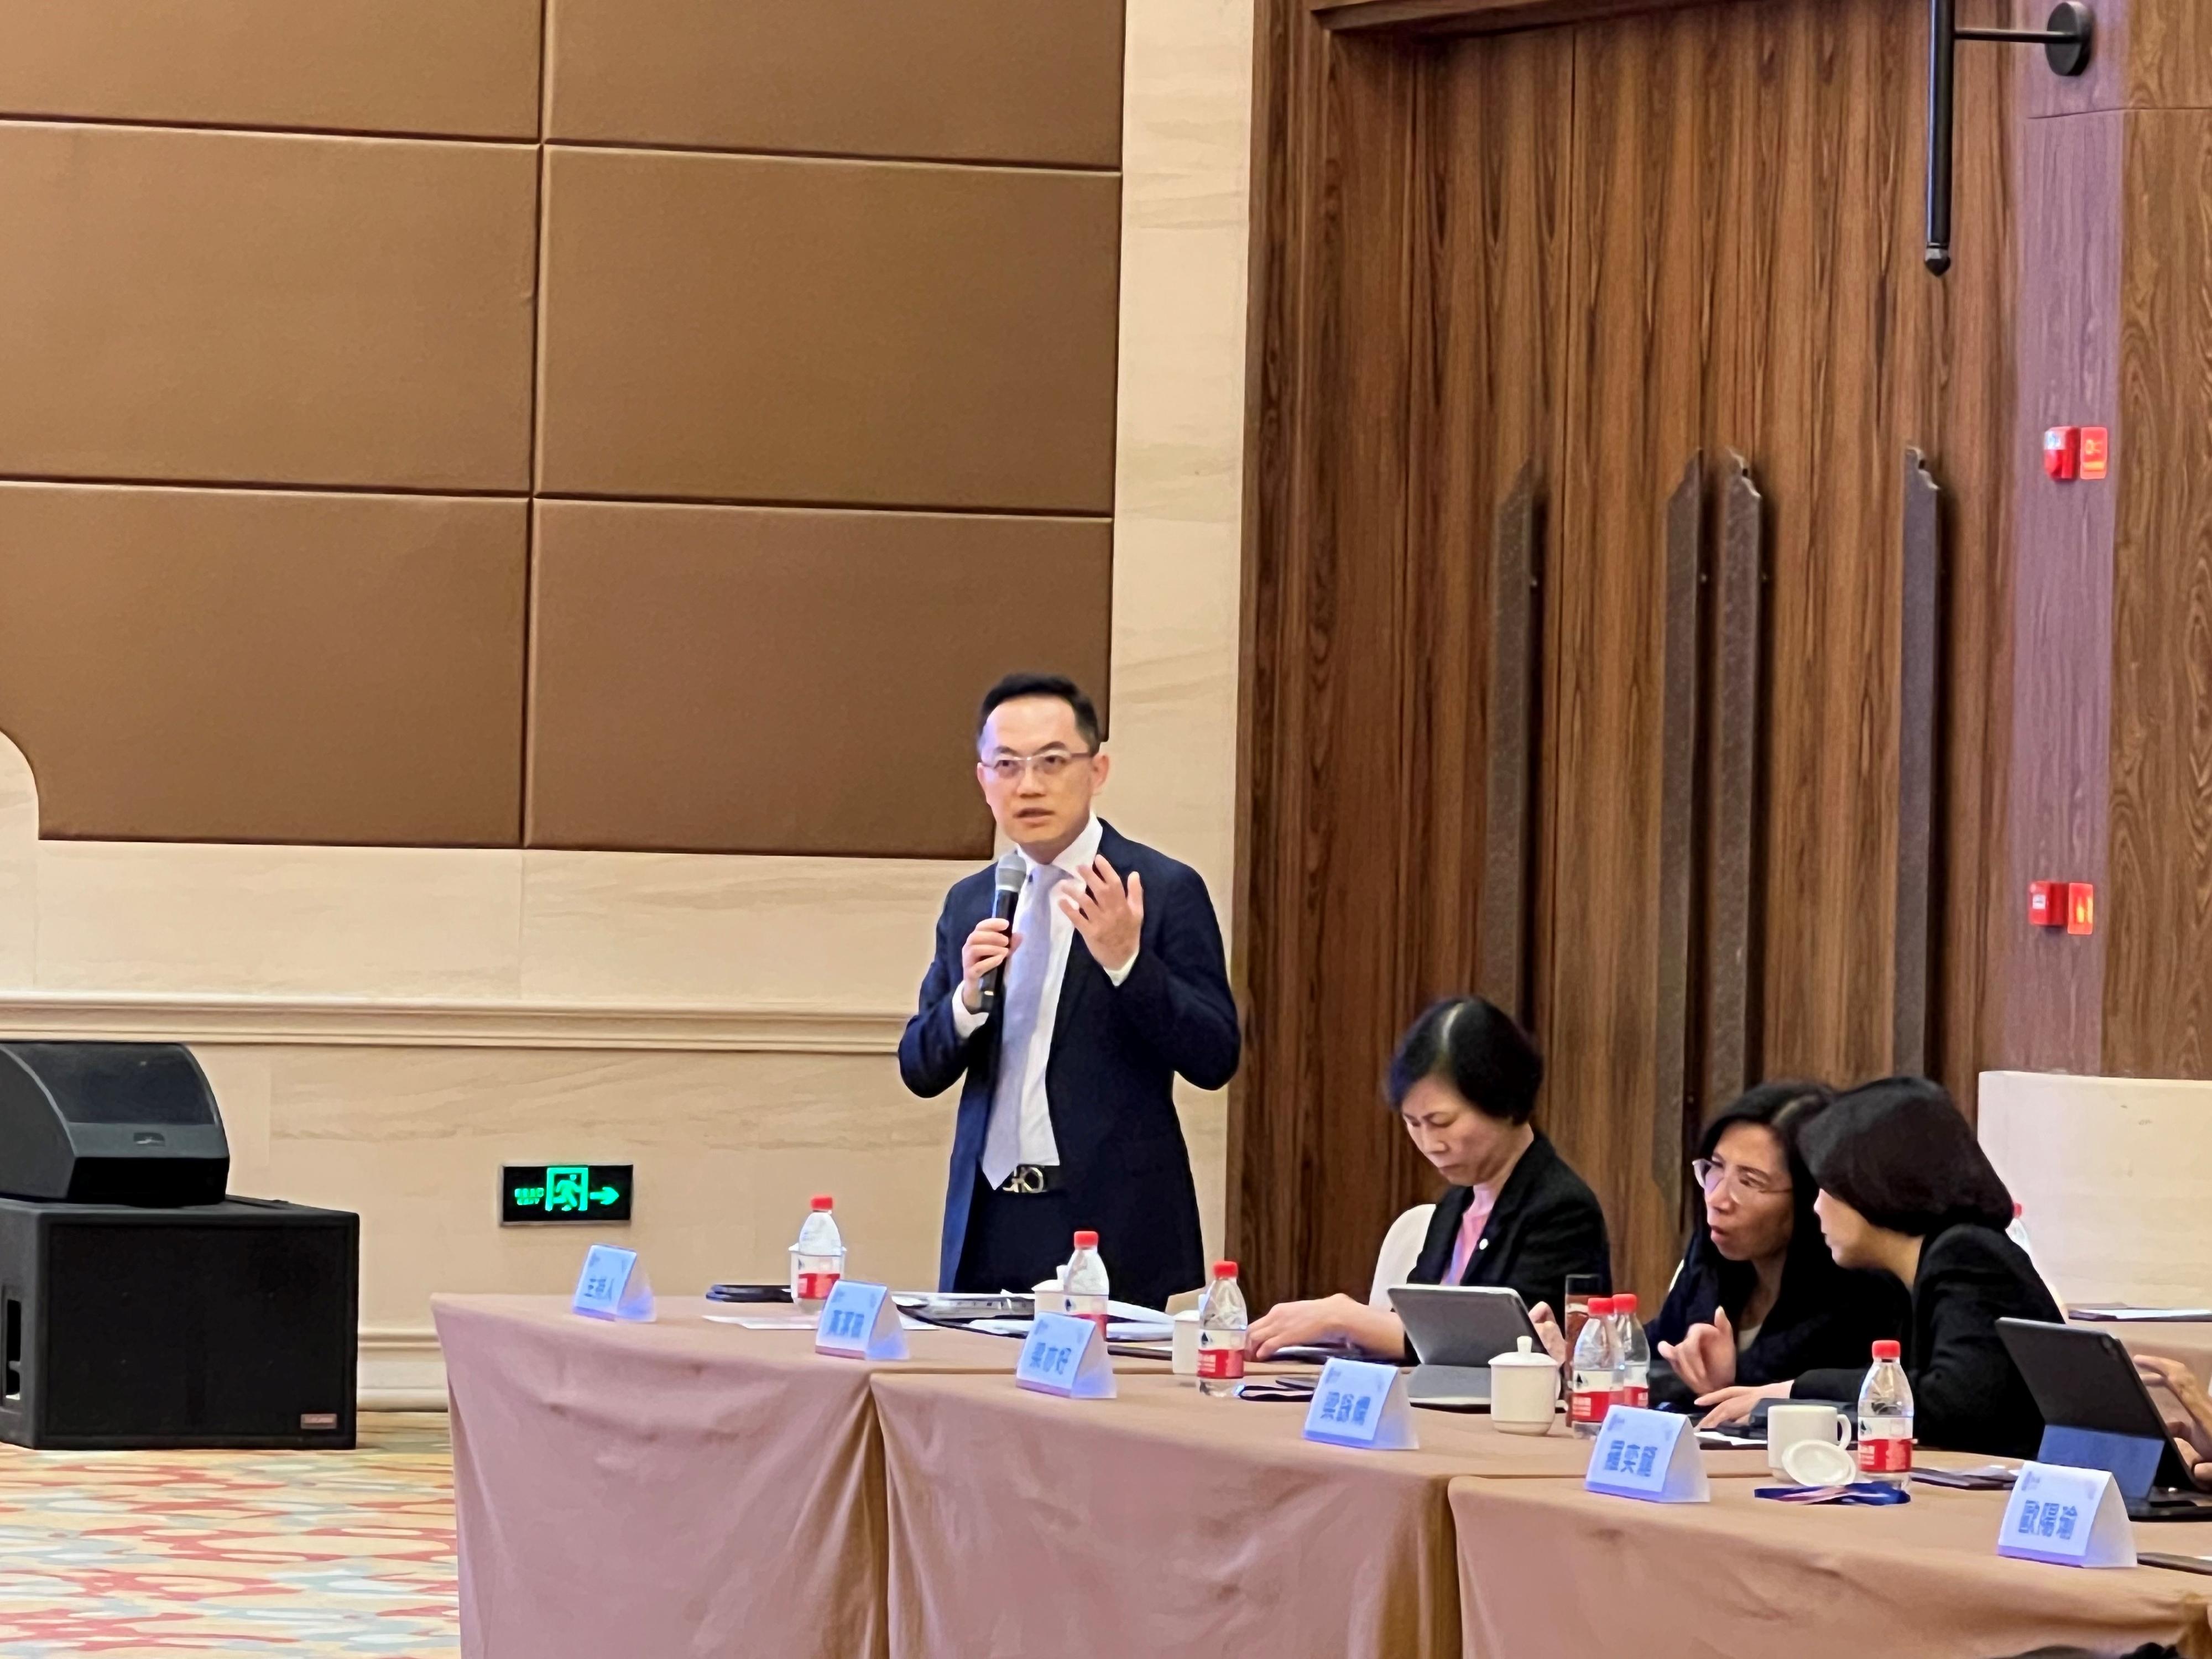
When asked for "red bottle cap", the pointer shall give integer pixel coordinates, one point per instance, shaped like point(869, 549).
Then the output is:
point(1599, 1306)
point(1624, 1303)
point(821, 1201)
point(1887, 1350)
point(1224, 1270)
point(1086, 1241)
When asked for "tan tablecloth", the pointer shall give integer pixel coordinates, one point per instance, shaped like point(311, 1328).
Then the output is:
point(1163, 1524)
point(1546, 1568)
point(652, 1492)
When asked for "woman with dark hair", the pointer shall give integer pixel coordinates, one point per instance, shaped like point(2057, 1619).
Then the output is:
point(1758, 1298)
point(1906, 1190)
point(1464, 1083)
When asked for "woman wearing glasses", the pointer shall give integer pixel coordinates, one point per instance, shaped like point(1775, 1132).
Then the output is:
point(1758, 1298)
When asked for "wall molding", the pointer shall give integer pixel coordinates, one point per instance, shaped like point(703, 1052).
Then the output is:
point(322, 1022)
point(402, 1369)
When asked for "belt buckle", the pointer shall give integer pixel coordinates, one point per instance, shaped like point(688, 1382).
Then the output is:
point(1026, 1178)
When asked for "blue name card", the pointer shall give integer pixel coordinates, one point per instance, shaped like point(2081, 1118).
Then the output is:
point(1648, 1455)
point(612, 1286)
point(2069, 1517)
point(861, 1322)
point(1067, 1355)
point(1357, 1403)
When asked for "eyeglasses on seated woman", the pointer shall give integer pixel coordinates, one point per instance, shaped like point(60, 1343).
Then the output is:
point(1463, 1086)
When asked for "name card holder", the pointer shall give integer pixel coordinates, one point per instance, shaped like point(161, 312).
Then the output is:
point(861, 1322)
point(2068, 1517)
point(1067, 1355)
point(1361, 1404)
point(1650, 1455)
point(613, 1286)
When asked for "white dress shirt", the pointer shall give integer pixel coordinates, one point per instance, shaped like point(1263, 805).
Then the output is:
point(1021, 1087)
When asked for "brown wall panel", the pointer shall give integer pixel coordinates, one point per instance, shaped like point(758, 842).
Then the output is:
point(231, 665)
point(226, 307)
point(753, 330)
point(467, 68)
point(741, 680)
point(1607, 247)
point(2158, 907)
point(948, 80)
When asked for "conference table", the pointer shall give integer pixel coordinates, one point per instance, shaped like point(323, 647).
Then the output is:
point(691, 1487)
point(685, 1486)
point(1549, 1568)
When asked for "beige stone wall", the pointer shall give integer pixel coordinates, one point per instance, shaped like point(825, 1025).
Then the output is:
point(383, 1027)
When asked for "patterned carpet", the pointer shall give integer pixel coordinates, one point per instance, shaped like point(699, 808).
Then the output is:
point(232, 1554)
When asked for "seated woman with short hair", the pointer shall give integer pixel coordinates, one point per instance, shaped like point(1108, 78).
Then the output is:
point(1464, 1083)
point(1906, 1190)
point(1758, 1298)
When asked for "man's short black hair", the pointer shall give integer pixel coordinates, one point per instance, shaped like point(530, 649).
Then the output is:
point(1043, 685)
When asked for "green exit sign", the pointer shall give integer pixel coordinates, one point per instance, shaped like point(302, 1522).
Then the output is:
point(564, 1192)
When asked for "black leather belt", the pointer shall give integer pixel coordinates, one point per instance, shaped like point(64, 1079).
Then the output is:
point(1031, 1178)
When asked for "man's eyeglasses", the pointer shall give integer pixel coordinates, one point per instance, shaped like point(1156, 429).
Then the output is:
point(1052, 765)
point(1711, 1175)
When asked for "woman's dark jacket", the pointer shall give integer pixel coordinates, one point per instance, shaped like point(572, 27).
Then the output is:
point(1546, 1224)
point(1823, 1317)
point(1967, 1393)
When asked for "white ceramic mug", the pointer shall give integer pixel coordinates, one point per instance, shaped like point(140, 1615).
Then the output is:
point(1524, 1391)
point(1182, 1357)
point(1787, 1424)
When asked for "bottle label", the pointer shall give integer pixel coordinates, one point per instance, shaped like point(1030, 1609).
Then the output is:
point(1634, 1395)
point(1589, 1404)
point(815, 1287)
point(1098, 1319)
point(1221, 1365)
point(1886, 1454)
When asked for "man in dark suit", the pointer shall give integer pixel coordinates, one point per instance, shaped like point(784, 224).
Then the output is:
point(1113, 983)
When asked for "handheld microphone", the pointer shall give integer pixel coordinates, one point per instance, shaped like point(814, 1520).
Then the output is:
point(1014, 870)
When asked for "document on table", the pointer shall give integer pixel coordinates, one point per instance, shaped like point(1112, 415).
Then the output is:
point(792, 1321)
point(2120, 1313)
point(1118, 1330)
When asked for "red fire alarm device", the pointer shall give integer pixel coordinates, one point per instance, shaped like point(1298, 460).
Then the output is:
point(2047, 903)
point(2080, 908)
point(2096, 452)
point(2062, 453)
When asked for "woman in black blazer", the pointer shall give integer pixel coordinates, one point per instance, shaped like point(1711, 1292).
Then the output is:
point(1758, 1298)
point(1906, 1190)
point(1463, 1084)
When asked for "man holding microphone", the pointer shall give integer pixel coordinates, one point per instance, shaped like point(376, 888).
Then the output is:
point(1070, 1023)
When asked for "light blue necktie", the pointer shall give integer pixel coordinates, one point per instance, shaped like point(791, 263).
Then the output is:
point(1021, 999)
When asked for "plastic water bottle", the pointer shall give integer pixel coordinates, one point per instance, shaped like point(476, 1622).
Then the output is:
point(1596, 1370)
point(1221, 1324)
point(1635, 1353)
point(2018, 1231)
point(1087, 1289)
point(818, 1260)
point(1886, 1419)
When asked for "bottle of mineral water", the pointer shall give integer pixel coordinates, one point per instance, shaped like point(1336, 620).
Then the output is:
point(1221, 1324)
point(1596, 1367)
point(1886, 1419)
point(1635, 1352)
point(1087, 1289)
point(818, 1260)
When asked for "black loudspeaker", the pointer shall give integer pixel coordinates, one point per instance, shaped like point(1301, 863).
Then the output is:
point(228, 1324)
point(109, 1123)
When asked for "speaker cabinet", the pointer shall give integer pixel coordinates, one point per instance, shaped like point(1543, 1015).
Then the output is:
point(229, 1324)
